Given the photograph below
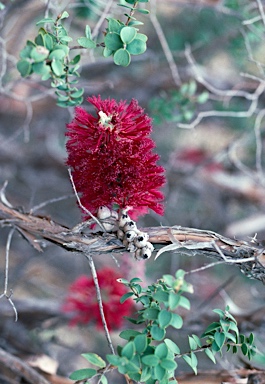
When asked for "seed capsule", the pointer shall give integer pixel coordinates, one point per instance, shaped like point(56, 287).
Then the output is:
point(131, 225)
point(124, 219)
point(109, 227)
point(103, 213)
point(137, 254)
point(146, 252)
point(141, 240)
point(130, 236)
point(114, 215)
point(131, 247)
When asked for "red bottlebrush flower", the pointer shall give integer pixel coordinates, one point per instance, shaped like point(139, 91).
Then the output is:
point(82, 300)
point(111, 157)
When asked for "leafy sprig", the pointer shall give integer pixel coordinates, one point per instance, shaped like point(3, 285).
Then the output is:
point(148, 355)
point(49, 54)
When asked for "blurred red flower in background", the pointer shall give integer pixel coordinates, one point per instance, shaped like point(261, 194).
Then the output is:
point(111, 157)
point(81, 300)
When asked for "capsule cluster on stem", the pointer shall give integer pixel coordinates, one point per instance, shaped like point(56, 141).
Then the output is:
point(134, 240)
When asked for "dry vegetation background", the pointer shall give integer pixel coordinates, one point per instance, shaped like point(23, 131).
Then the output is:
point(228, 197)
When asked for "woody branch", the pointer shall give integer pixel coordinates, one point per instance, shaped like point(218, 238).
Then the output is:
point(249, 256)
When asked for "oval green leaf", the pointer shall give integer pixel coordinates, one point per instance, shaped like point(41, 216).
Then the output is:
point(136, 47)
point(57, 54)
point(24, 67)
point(83, 374)
point(57, 67)
point(157, 333)
point(85, 42)
point(150, 360)
point(127, 34)
point(122, 57)
point(176, 321)
point(172, 346)
point(113, 41)
point(164, 318)
point(140, 343)
point(94, 359)
point(39, 53)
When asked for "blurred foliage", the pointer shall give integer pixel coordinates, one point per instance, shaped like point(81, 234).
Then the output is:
point(148, 355)
point(177, 105)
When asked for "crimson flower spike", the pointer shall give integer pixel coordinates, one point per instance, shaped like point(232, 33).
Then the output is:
point(112, 160)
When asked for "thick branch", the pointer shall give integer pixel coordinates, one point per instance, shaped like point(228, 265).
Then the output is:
point(248, 255)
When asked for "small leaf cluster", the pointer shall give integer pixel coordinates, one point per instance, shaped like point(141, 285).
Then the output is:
point(148, 356)
point(177, 105)
point(121, 41)
point(48, 56)
point(226, 333)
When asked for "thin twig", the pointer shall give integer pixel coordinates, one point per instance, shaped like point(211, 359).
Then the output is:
point(213, 113)
point(99, 299)
point(104, 13)
point(50, 201)
point(5, 293)
point(81, 205)
point(257, 126)
point(261, 11)
point(167, 52)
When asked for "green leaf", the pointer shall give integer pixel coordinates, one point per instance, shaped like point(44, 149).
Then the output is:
point(219, 312)
point(173, 300)
point(159, 372)
point(24, 67)
point(114, 25)
point(41, 68)
point(135, 280)
point(150, 360)
point(136, 47)
point(244, 349)
point(203, 97)
point(128, 350)
point(46, 20)
point(157, 333)
point(169, 280)
point(57, 67)
point(197, 340)
point(210, 354)
point(144, 11)
point(39, 53)
point(25, 52)
point(172, 346)
point(64, 15)
point(57, 54)
point(103, 380)
point(82, 374)
point(161, 351)
point(65, 39)
point(164, 318)
point(142, 37)
point(48, 41)
point(212, 327)
point(191, 361)
point(219, 339)
point(135, 22)
point(140, 343)
point(113, 359)
point(161, 296)
point(184, 302)
point(88, 32)
point(63, 47)
point(168, 364)
point(146, 374)
point(123, 281)
point(113, 41)
point(126, 296)
point(85, 42)
point(39, 40)
point(127, 34)
point(128, 334)
point(176, 321)
point(94, 359)
point(151, 313)
point(192, 343)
